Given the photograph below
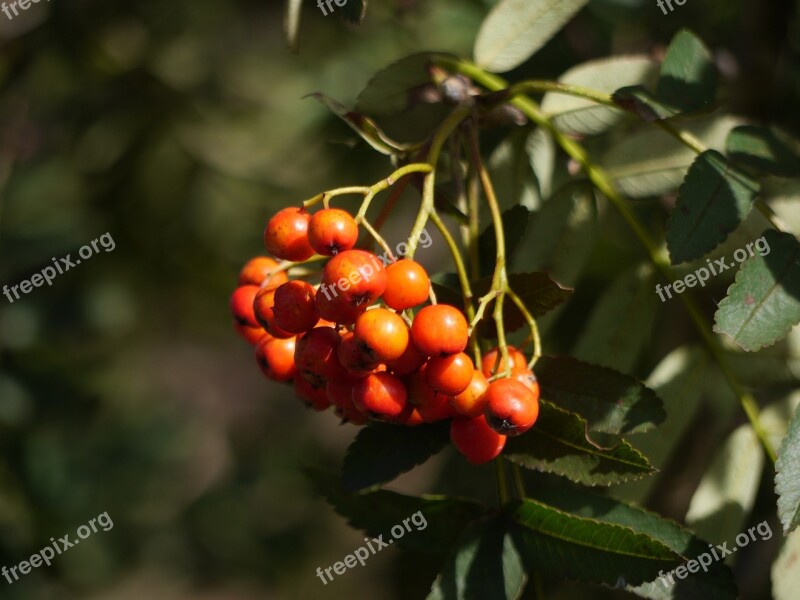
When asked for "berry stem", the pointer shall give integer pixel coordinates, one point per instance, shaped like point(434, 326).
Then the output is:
point(531, 321)
point(602, 182)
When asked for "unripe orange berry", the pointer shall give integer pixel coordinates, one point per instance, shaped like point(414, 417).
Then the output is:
point(383, 335)
point(493, 363)
point(257, 272)
point(440, 330)
point(449, 375)
point(472, 401)
point(407, 285)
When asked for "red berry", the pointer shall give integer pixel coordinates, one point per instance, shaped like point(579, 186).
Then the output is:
point(410, 361)
point(471, 402)
point(316, 357)
point(312, 396)
point(407, 285)
point(264, 310)
point(257, 272)
point(526, 377)
point(275, 357)
point(440, 330)
point(252, 335)
point(449, 375)
point(353, 357)
point(286, 235)
point(473, 438)
point(294, 309)
point(492, 362)
point(382, 396)
point(351, 281)
point(242, 306)
point(332, 230)
point(382, 334)
point(511, 407)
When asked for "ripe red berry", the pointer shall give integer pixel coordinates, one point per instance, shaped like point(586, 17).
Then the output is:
point(286, 235)
point(473, 438)
point(257, 272)
point(437, 408)
point(252, 335)
point(407, 285)
point(244, 317)
point(294, 309)
point(440, 330)
point(511, 407)
point(351, 281)
point(472, 401)
point(353, 357)
point(332, 230)
point(311, 395)
point(340, 394)
point(449, 375)
point(410, 361)
point(264, 310)
point(275, 357)
point(382, 396)
point(382, 334)
point(316, 357)
point(492, 362)
point(526, 377)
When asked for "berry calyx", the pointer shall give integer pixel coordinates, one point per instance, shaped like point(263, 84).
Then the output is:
point(382, 334)
point(475, 440)
point(440, 330)
point(286, 235)
point(511, 407)
point(332, 230)
point(407, 285)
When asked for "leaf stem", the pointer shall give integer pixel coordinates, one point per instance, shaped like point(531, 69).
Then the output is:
point(502, 483)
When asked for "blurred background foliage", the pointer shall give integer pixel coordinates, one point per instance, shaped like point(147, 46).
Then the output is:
point(178, 127)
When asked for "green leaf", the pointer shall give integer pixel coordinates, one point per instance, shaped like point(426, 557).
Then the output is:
point(715, 584)
point(511, 170)
point(763, 150)
point(435, 522)
point(485, 565)
point(713, 201)
point(389, 90)
point(726, 493)
point(785, 574)
point(585, 117)
point(564, 545)
point(787, 477)
point(561, 236)
point(515, 223)
point(763, 304)
point(688, 78)
point(363, 126)
point(652, 162)
point(515, 29)
point(291, 23)
point(541, 150)
point(381, 452)
point(557, 444)
point(354, 11)
point(621, 322)
point(639, 101)
point(612, 402)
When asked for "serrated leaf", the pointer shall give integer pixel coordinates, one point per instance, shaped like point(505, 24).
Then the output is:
point(485, 565)
point(785, 574)
point(354, 11)
point(433, 531)
point(561, 236)
point(611, 402)
point(763, 304)
point(515, 224)
point(572, 547)
point(713, 201)
point(787, 477)
point(715, 584)
point(363, 126)
point(585, 117)
point(557, 444)
point(688, 77)
point(652, 162)
point(621, 322)
point(291, 23)
point(515, 29)
point(389, 89)
point(764, 150)
point(639, 101)
point(726, 493)
point(381, 452)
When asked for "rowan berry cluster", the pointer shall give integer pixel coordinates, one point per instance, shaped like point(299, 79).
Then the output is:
point(362, 350)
